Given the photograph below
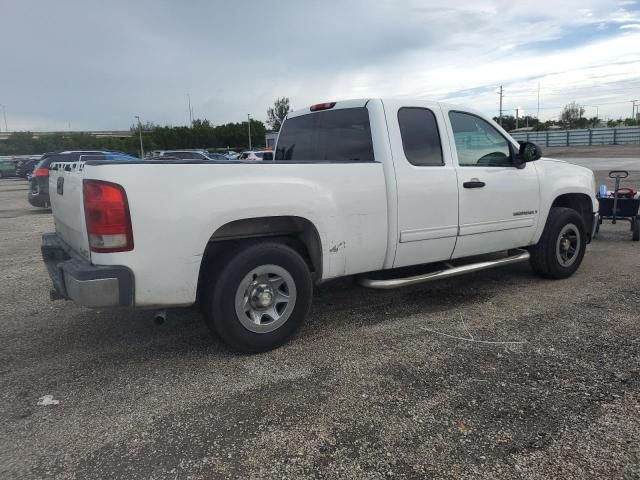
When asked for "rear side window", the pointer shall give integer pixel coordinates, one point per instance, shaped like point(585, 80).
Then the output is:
point(420, 136)
point(342, 135)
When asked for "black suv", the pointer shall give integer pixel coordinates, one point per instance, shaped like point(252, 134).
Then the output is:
point(25, 168)
point(39, 192)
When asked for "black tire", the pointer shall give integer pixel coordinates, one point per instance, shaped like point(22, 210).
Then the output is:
point(545, 255)
point(221, 290)
point(635, 229)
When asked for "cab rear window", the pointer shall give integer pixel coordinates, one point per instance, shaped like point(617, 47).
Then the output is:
point(342, 135)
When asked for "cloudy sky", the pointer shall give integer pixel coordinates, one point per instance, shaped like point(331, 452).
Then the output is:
point(92, 64)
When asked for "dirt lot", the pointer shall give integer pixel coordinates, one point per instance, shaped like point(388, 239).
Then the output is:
point(498, 374)
point(607, 151)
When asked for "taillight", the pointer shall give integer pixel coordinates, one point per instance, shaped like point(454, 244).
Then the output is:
point(41, 172)
point(322, 106)
point(106, 212)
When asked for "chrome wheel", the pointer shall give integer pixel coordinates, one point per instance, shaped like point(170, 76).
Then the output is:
point(265, 298)
point(568, 245)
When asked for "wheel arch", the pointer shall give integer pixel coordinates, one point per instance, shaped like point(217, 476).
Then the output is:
point(581, 203)
point(294, 231)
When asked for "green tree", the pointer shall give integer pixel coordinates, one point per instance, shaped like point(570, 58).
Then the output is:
point(277, 113)
point(571, 115)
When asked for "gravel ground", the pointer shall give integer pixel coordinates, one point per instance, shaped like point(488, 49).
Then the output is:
point(606, 151)
point(498, 374)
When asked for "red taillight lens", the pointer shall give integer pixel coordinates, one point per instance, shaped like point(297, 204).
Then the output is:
point(322, 106)
point(106, 212)
point(41, 172)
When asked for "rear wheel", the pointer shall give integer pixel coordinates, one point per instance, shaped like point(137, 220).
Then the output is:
point(259, 298)
point(635, 229)
point(561, 248)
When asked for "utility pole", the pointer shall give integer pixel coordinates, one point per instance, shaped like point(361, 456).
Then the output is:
point(500, 116)
point(249, 125)
point(4, 113)
point(538, 102)
point(517, 112)
point(633, 111)
point(190, 111)
point(140, 134)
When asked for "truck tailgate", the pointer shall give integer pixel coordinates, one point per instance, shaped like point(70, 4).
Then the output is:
point(65, 191)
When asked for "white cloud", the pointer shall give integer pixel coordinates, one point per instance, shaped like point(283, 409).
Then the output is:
point(97, 65)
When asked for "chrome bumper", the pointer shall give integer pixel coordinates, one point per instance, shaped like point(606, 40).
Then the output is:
point(74, 278)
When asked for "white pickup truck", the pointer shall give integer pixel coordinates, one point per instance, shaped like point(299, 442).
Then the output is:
point(360, 187)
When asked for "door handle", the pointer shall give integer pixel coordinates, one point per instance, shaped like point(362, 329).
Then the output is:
point(473, 184)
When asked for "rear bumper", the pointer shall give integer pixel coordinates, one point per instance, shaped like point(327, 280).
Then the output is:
point(39, 193)
point(74, 278)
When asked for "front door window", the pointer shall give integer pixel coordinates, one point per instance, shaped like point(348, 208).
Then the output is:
point(478, 143)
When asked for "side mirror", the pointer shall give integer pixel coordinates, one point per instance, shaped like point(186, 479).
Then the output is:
point(529, 152)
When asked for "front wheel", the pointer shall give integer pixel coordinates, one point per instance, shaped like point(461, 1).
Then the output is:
point(259, 298)
point(561, 248)
point(635, 229)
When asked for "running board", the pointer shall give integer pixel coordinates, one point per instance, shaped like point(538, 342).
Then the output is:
point(519, 256)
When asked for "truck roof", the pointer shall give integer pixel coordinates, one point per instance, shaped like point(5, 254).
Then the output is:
point(361, 102)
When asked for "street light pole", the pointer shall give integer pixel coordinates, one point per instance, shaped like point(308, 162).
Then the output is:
point(249, 125)
point(4, 113)
point(190, 111)
point(140, 134)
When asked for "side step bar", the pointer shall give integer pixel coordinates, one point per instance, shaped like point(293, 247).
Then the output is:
point(517, 257)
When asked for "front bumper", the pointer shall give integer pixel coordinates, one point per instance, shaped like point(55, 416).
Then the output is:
point(75, 278)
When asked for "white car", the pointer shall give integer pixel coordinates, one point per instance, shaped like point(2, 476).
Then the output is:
point(360, 187)
point(256, 156)
point(183, 154)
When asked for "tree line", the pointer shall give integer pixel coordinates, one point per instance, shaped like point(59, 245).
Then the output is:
point(201, 134)
point(572, 116)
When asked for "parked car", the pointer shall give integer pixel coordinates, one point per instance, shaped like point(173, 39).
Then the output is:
point(184, 154)
point(25, 168)
point(38, 195)
point(360, 187)
point(256, 156)
point(7, 168)
point(218, 156)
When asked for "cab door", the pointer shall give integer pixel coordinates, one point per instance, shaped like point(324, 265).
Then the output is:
point(427, 187)
point(499, 202)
